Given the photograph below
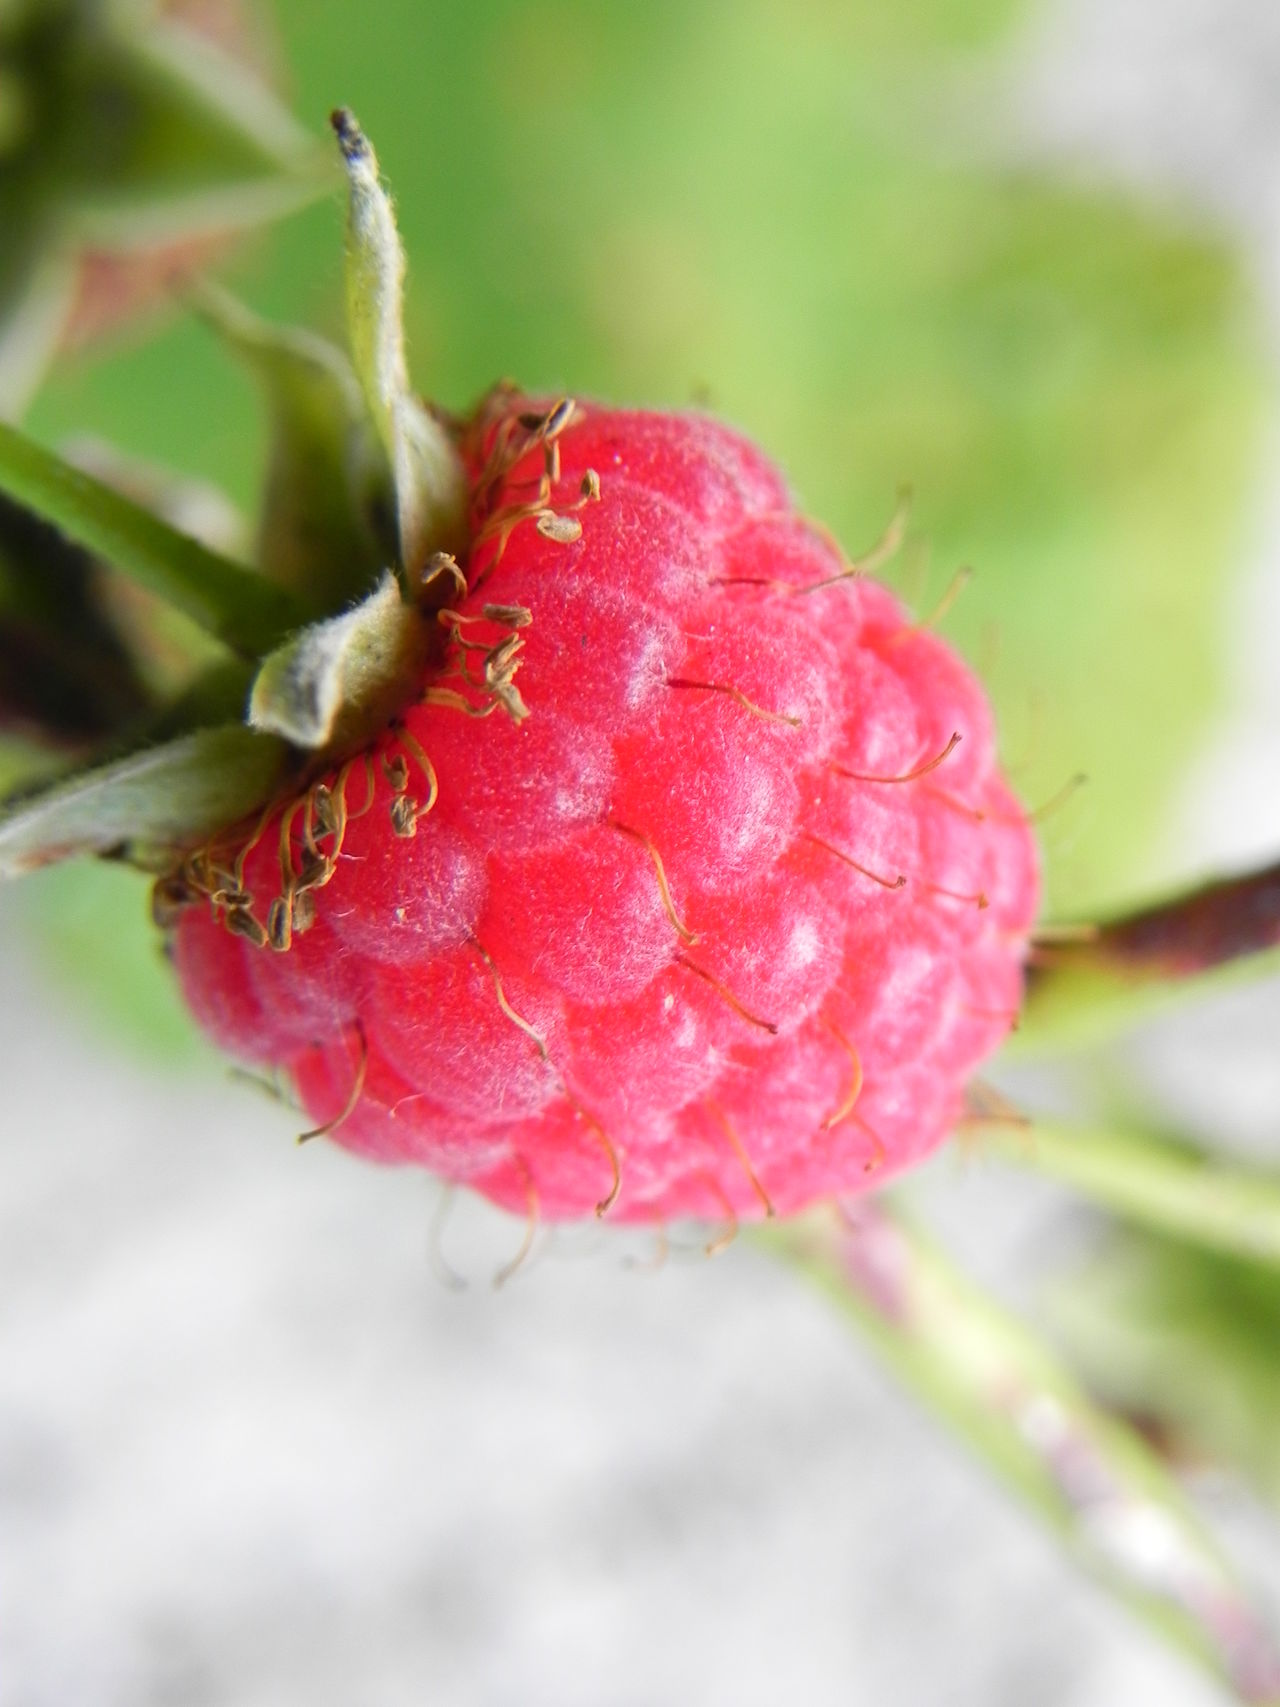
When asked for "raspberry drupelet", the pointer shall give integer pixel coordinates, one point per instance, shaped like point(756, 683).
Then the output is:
point(713, 914)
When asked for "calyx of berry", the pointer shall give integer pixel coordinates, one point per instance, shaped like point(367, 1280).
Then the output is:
point(430, 483)
point(339, 681)
point(365, 505)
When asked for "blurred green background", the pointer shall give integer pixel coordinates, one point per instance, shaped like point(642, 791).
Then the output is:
point(811, 219)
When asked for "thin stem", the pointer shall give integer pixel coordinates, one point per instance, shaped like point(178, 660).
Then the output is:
point(248, 613)
point(1092, 1480)
point(1220, 1205)
point(1080, 989)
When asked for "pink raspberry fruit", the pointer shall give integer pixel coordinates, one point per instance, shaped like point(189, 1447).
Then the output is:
point(713, 916)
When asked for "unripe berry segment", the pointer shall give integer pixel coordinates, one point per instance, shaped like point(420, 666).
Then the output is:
point(721, 926)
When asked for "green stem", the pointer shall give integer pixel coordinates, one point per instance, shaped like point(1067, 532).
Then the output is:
point(1092, 1480)
point(1220, 1205)
point(229, 601)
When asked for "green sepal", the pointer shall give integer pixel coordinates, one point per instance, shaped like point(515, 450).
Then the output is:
point(328, 484)
point(227, 599)
point(337, 682)
point(430, 481)
point(165, 797)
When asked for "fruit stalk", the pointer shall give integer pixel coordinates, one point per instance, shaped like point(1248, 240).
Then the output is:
point(1085, 1475)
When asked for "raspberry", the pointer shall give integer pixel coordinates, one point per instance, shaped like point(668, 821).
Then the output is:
point(720, 927)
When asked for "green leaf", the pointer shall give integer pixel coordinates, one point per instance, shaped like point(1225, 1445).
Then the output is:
point(22, 762)
point(430, 482)
point(1093, 1481)
point(328, 477)
point(158, 135)
point(166, 796)
point(66, 673)
point(229, 601)
point(37, 292)
point(1170, 1187)
point(94, 923)
point(1185, 1340)
point(203, 77)
point(124, 133)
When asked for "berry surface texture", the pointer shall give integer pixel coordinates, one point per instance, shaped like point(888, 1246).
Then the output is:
point(689, 884)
